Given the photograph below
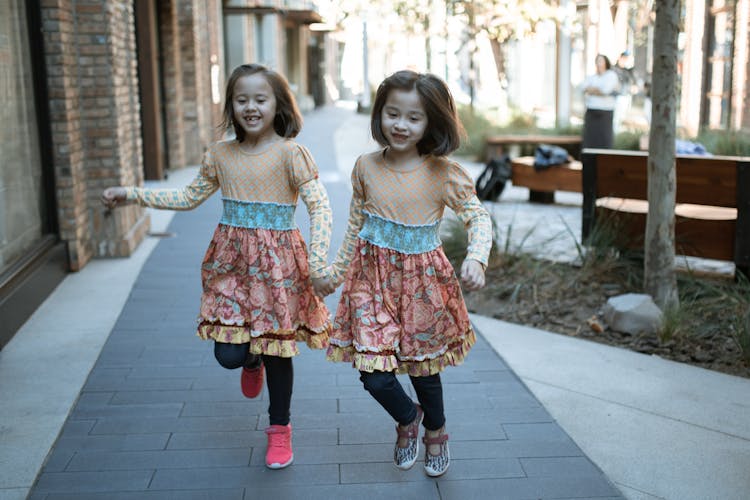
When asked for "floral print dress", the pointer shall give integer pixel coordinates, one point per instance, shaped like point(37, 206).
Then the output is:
point(401, 308)
point(256, 275)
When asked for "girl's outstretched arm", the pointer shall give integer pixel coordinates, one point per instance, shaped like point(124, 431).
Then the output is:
point(315, 198)
point(186, 198)
point(199, 190)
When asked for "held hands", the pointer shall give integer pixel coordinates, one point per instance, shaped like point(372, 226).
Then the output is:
point(113, 196)
point(472, 274)
point(323, 286)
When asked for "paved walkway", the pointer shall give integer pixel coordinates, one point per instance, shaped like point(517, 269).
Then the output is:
point(158, 418)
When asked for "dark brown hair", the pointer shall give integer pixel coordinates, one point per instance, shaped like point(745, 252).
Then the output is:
point(288, 120)
point(607, 63)
point(444, 130)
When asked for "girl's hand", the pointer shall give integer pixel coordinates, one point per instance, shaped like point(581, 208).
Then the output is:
point(472, 274)
point(113, 196)
point(323, 286)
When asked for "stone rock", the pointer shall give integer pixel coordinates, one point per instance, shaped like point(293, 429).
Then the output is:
point(632, 313)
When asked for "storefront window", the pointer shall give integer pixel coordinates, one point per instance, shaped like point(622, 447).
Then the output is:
point(22, 198)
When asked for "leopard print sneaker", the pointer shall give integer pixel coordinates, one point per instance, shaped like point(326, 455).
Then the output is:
point(436, 465)
point(404, 458)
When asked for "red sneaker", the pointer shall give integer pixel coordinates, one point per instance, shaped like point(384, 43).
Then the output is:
point(251, 381)
point(279, 452)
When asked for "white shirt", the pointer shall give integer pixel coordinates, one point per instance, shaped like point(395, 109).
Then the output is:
point(607, 83)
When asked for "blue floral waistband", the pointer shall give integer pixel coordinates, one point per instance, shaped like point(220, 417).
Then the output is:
point(400, 237)
point(256, 214)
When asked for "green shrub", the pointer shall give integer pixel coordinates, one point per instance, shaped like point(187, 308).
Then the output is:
point(455, 241)
point(742, 334)
point(725, 142)
point(479, 126)
point(628, 140)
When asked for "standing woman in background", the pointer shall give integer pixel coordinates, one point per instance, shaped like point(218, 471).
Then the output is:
point(600, 97)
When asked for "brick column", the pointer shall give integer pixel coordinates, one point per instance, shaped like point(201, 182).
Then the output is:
point(172, 73)
point(94, 114)
point(196, 21)
point(214, 29)
point(65, 117)
point(190, 98)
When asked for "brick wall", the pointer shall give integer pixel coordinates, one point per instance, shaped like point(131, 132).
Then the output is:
point(92, 67)
point(65, 117)
point(92, 83)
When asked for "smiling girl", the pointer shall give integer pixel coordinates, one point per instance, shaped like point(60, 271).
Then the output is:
point(401, 308)
point(258, 296)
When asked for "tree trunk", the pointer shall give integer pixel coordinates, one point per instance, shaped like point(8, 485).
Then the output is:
point(659, 273)
point(427, 44)
point(499, 57)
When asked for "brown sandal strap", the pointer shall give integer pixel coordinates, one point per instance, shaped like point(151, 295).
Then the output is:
point(442, 438)
point(409, 432)
point(412, 430)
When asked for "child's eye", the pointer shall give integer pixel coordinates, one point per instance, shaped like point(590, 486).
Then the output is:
point(391, 115)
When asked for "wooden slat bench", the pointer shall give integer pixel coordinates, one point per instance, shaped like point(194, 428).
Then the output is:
point(542, 184)
point(498, 145)
point(712, 211)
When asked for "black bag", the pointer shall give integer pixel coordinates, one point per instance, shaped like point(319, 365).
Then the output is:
point(491, 181)
point(546, 156)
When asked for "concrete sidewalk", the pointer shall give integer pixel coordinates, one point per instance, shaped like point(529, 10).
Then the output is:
point(158, 418)
point(657, 428)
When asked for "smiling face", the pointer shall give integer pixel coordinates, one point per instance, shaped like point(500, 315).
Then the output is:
point(403, 120)
point(254, 106)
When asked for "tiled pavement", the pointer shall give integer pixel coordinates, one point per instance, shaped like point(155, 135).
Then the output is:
point(159, 418)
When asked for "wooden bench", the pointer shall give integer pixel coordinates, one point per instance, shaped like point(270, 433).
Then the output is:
point(712, 211)
point(498, 145)
point(542, 184)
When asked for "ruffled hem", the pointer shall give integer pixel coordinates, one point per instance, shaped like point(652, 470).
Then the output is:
point(281, 343)
point(389, 361)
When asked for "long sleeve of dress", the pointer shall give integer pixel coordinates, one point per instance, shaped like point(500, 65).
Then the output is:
point(315, 198)
point(479, 227)
point(461, 197)
point(346, 252)
point(199, 190)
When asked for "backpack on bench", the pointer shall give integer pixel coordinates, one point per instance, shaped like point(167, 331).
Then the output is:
point(491, 181)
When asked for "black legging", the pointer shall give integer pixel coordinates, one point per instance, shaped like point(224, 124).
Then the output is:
point(279, 376)
point(387, 390)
